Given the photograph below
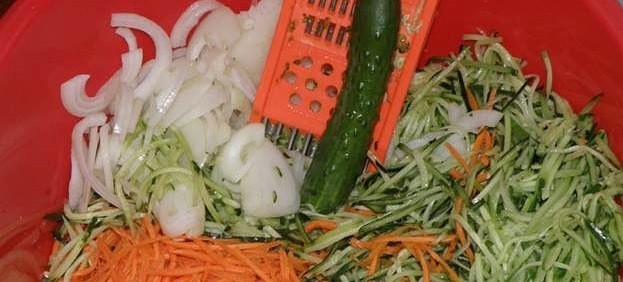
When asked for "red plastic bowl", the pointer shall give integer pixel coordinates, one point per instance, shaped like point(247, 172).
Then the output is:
point(45, 42)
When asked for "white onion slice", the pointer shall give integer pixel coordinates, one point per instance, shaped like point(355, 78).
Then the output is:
point(194, 133)
point(78, 103)
point(219, 30)
point(240, 78)
point(167, 96)
point(234, 159)
point(424, 140)
point(457, 141)
point(164, 54)
point(179, 53)
point(184, 101)
point(76, 184)
point(131, 63)
point(210, 100)
point(189, 19)
point(455, 112)
point(269, 188)
point(475, 120)
point(123, 111)
point(104, 152)
point(259, 23)
point(128, 36)
point(218, 132)
point(80, 149)
point(179, 214)
point(91, 155)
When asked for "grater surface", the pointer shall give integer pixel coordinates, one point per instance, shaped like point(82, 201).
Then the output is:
point(305, 67)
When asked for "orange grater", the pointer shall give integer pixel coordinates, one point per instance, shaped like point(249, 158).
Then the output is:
point(305, 66)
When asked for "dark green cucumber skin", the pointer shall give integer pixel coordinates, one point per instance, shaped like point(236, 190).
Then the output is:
point(342, 150)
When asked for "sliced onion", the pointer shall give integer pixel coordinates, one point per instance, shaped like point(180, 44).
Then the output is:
point(210, 100)
point(179, 214)
point(179, 53)
point(213, 62)
point(78, 103)
point(131, 63)
point(185, 100)
point(269, 188)
point(122, 115)
point(194, 133)
point(475, 120)
point(128, 36)
point(104, 151)
point(233, 160)
point(240, 79)
point(80, 149)
point(218, 132)
point(457, 141)
point(455, 112)
point(252, 47)
point(162, 42)
point(189, 19)
point(135, 114)
point(219, 30)
point(424, 140)
point(298, 162)
point(165, 99)
point(91, 155)
point(76, 184)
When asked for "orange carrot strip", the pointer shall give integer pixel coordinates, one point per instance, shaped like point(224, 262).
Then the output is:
point(193, 254)
point(451, 273)
point(478, 147)
point(84, 271)
point(457, 156)
point(471, 99)
point(456, 175)
point(283, 265)
point(463, 239)
point(417, 253)
point(322, 224)
point(182, 271)
point(375, 257)
point(363, 212)
point(491, 100)
point(483, 176)
point(236, 253)
point(447, 254)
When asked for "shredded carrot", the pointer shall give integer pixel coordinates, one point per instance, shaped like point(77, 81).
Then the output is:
point(460, 233)
point(455, 153)
point(457, 175)
point(392, 243)
point(375, 257)
point(451, 273)
point(417, 253)
point(320, 224)
point(483, 176)
point(124, 255)
point(491, 100)
point(447, 254)
point(471, 99)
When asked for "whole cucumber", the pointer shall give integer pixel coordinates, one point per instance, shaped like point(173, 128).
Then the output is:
point(342, 150)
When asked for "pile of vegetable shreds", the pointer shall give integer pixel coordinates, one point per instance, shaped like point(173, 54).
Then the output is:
point(118, 254)
point(530, 198)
